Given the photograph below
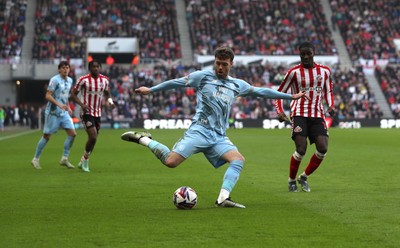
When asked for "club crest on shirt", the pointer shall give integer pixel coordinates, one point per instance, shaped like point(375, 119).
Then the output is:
point(297, 129)
point(318, 78)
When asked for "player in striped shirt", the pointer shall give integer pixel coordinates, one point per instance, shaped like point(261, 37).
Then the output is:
point(216, 92)
point(92, 87)
point(307, 114)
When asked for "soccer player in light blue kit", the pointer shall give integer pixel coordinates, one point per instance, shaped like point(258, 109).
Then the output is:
point(57, 114)
point(216, 92)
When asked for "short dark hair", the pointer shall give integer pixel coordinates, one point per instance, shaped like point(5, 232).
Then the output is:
point(63, 63)
point(92, 62)
point(224, 52)
point(306, 44)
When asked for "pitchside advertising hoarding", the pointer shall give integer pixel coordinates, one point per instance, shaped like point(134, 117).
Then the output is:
point(239, 124)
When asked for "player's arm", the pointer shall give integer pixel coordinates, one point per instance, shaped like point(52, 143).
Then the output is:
point(50, 98)
point(109, 99)
point(284, 87)
point(167, 85)
point(274, 94)
point(75, 98)
point(329, 97)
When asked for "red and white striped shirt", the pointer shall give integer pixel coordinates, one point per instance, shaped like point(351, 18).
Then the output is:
point(92, 90)
point(316, 82)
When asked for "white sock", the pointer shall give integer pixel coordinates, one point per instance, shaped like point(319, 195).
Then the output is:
point(145, 141)
point(223, 194)
point(63, 157)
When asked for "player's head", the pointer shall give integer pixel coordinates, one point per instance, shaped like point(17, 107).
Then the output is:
point(94, 67)
point(64, 68)
point(223, 61)
point(307, 50)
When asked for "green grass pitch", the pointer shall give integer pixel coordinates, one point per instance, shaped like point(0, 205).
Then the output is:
point(126, 199)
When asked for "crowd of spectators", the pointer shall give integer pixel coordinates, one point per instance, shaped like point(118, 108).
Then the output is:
point(368, 27)
point(258, 27)
point(12, 21)
point(249, 27)
point(22, 116)
point(63, 26)
point(389, 78)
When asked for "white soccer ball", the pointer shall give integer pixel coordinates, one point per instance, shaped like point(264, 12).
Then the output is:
point(185, 198)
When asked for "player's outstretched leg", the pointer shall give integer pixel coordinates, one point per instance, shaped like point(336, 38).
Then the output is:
point(133, 136)
point(144, 138)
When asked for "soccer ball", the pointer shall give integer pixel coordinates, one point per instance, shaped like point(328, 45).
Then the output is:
point(184, 198)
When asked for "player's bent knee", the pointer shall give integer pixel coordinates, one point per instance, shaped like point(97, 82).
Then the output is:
point(171, 162)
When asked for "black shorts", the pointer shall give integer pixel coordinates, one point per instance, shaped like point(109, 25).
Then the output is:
point(89, 121)
point(308, 127)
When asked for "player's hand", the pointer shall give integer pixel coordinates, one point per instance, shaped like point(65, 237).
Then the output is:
point(85, 108)
point(331, 111)
point(300, 95)
point(282, 117)
point(142, 90)
point(69, 111)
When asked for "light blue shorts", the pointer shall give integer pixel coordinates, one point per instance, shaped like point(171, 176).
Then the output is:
point(199, 139)
point(52, 123)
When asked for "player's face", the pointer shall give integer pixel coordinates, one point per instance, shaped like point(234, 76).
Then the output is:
point(64, 71)
point(222, 67)
point(95, 69)
point(307, 57)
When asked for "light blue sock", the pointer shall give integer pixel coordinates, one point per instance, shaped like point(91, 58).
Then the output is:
point(160, 150)
point(232, 175)
point(40, 146)
point(68, 144)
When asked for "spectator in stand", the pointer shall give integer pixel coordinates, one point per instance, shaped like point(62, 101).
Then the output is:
point(2, 117)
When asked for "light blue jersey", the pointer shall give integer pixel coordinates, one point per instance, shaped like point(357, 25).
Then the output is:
point(60, 88)
point(56, 117)
point(215, 96)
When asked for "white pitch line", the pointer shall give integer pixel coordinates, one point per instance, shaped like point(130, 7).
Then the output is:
point(17, 134)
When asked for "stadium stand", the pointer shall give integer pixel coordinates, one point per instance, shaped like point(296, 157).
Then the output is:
point(62, 27)
point(389, 80)
point(368, 27)
point(258, 27)
point(250, 27)
point(12, 20)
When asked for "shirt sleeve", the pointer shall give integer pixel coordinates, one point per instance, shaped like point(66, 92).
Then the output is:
point(191, 80)
point(270, 93)
point(284, 87)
